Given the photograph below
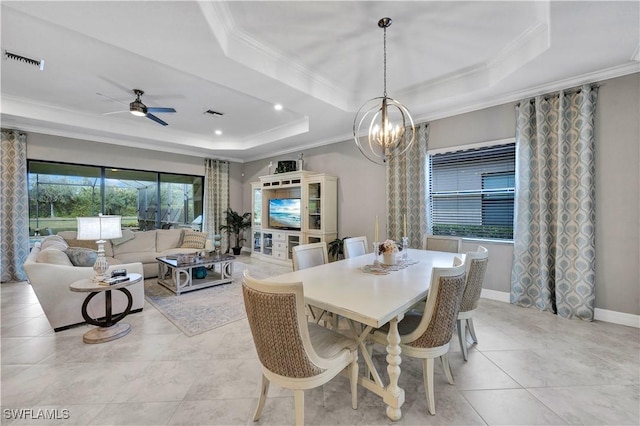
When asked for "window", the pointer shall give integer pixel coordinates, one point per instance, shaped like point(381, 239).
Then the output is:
point(58, 193)
point(471, 192)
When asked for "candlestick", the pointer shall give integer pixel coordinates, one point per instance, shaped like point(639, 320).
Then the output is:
point(375, 234)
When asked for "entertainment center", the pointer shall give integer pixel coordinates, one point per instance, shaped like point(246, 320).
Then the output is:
point(292, 208)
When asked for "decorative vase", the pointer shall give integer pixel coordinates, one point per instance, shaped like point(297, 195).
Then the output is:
point(389, 258)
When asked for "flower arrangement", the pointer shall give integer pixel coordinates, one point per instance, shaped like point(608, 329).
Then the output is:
point(389, 246)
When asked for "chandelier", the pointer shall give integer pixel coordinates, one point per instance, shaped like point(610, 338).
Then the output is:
point(383, 127)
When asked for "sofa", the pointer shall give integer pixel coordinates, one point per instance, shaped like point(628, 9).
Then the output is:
point(145, 246)
point(59, 260)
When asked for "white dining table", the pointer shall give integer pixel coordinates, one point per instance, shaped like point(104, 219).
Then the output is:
point(372, 300)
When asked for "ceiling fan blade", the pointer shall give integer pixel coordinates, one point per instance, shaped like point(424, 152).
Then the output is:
point(111, 99)
point(113, 112)
point(158, 109)
point(156, 119)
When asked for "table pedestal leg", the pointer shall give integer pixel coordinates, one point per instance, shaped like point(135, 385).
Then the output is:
point(395, 397)
point(110, 328)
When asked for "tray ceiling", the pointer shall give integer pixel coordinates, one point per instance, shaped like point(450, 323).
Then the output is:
point(320, 60)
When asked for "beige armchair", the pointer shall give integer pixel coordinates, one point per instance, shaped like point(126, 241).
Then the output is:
point(427, 335)
point(294, 353)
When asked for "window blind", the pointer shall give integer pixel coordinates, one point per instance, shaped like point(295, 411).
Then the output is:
point(471, 192)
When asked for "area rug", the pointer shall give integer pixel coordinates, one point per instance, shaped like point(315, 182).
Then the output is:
point(202, 310)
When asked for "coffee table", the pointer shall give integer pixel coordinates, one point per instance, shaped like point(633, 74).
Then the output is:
point(177, 272)
point(109, 328)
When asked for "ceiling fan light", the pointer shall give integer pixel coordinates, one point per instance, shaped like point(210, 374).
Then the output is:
point(138, 108)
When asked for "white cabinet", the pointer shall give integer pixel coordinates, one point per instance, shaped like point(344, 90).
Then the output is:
point(309, 201)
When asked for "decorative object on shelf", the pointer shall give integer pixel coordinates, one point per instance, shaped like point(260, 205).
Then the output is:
point(389, 249)
point(286, 166)
point(99, 228)
point(236, 223)
point(300, 161)
point(383, 127)
point(216, 244)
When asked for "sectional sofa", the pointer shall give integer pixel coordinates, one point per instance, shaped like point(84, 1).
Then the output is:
point(59, 260)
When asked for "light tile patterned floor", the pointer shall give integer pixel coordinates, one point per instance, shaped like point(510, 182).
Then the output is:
point(529, 368)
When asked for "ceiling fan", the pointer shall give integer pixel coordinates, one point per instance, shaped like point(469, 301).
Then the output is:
point(141, 110)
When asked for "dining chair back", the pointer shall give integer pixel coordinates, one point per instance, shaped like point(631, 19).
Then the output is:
point(476, 266)
point(356, 246)
point(308, 255)
point(426, 335)
point(441, 243)
point(294, 353)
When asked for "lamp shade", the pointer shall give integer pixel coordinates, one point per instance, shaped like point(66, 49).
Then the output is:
point(99, 228)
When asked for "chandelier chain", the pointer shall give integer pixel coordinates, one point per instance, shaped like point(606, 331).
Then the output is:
point(385, 62)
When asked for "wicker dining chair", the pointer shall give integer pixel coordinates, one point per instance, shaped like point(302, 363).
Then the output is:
point(441, 243)
point(356, 246)
point(294, 353)
point(476, 267)
point(427, 335)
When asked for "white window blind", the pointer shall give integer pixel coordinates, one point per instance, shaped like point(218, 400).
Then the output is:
point(471, 192)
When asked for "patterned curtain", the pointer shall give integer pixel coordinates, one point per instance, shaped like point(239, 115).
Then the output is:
point(14, 232)
point(216, 197)
point(407, 191)
point(554, 242)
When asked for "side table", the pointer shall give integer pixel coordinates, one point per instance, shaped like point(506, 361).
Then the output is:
point(109, 328)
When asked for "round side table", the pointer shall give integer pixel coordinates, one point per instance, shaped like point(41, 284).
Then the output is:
point(109, 328)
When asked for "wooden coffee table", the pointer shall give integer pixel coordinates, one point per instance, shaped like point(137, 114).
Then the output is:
point(177, 273)
point(109, 328)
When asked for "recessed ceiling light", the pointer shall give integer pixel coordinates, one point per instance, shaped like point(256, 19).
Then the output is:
point(277, 107)
point(218, 132)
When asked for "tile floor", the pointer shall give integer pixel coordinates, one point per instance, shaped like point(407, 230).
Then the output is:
point(529, 368)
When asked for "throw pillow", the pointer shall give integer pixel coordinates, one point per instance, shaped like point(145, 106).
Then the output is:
point(54, 242)
point(81, 256)
point(127, 235)
point(53, 256)
point(193, 239)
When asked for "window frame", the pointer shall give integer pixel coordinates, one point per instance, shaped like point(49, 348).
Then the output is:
point(481, 192)
point(104, 174)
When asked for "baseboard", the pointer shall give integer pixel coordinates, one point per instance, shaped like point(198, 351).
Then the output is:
point(615, 317)
point(605, 315)
point(500, 296)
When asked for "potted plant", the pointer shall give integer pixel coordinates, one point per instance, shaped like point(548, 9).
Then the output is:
point(235, 224)
point(336, 248)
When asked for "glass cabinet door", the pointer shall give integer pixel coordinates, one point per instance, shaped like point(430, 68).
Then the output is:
point(315, 207)
point(256, 214)
point(257, 242)
point(292, 241)
point(267, 240)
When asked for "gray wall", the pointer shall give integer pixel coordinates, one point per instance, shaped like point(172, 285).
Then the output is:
point(362, 188)
point(361, 185)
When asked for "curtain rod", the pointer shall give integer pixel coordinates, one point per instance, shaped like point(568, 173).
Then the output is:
point(550, 95)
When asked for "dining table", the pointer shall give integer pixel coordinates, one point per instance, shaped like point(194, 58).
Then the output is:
point(370, 300)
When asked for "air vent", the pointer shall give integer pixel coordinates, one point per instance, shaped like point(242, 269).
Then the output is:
point(212, 112)
point(36, 62)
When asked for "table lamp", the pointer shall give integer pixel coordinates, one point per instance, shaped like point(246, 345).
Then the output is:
point(100, 229)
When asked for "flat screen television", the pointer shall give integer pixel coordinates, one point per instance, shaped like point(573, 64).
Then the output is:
point(284, 213)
